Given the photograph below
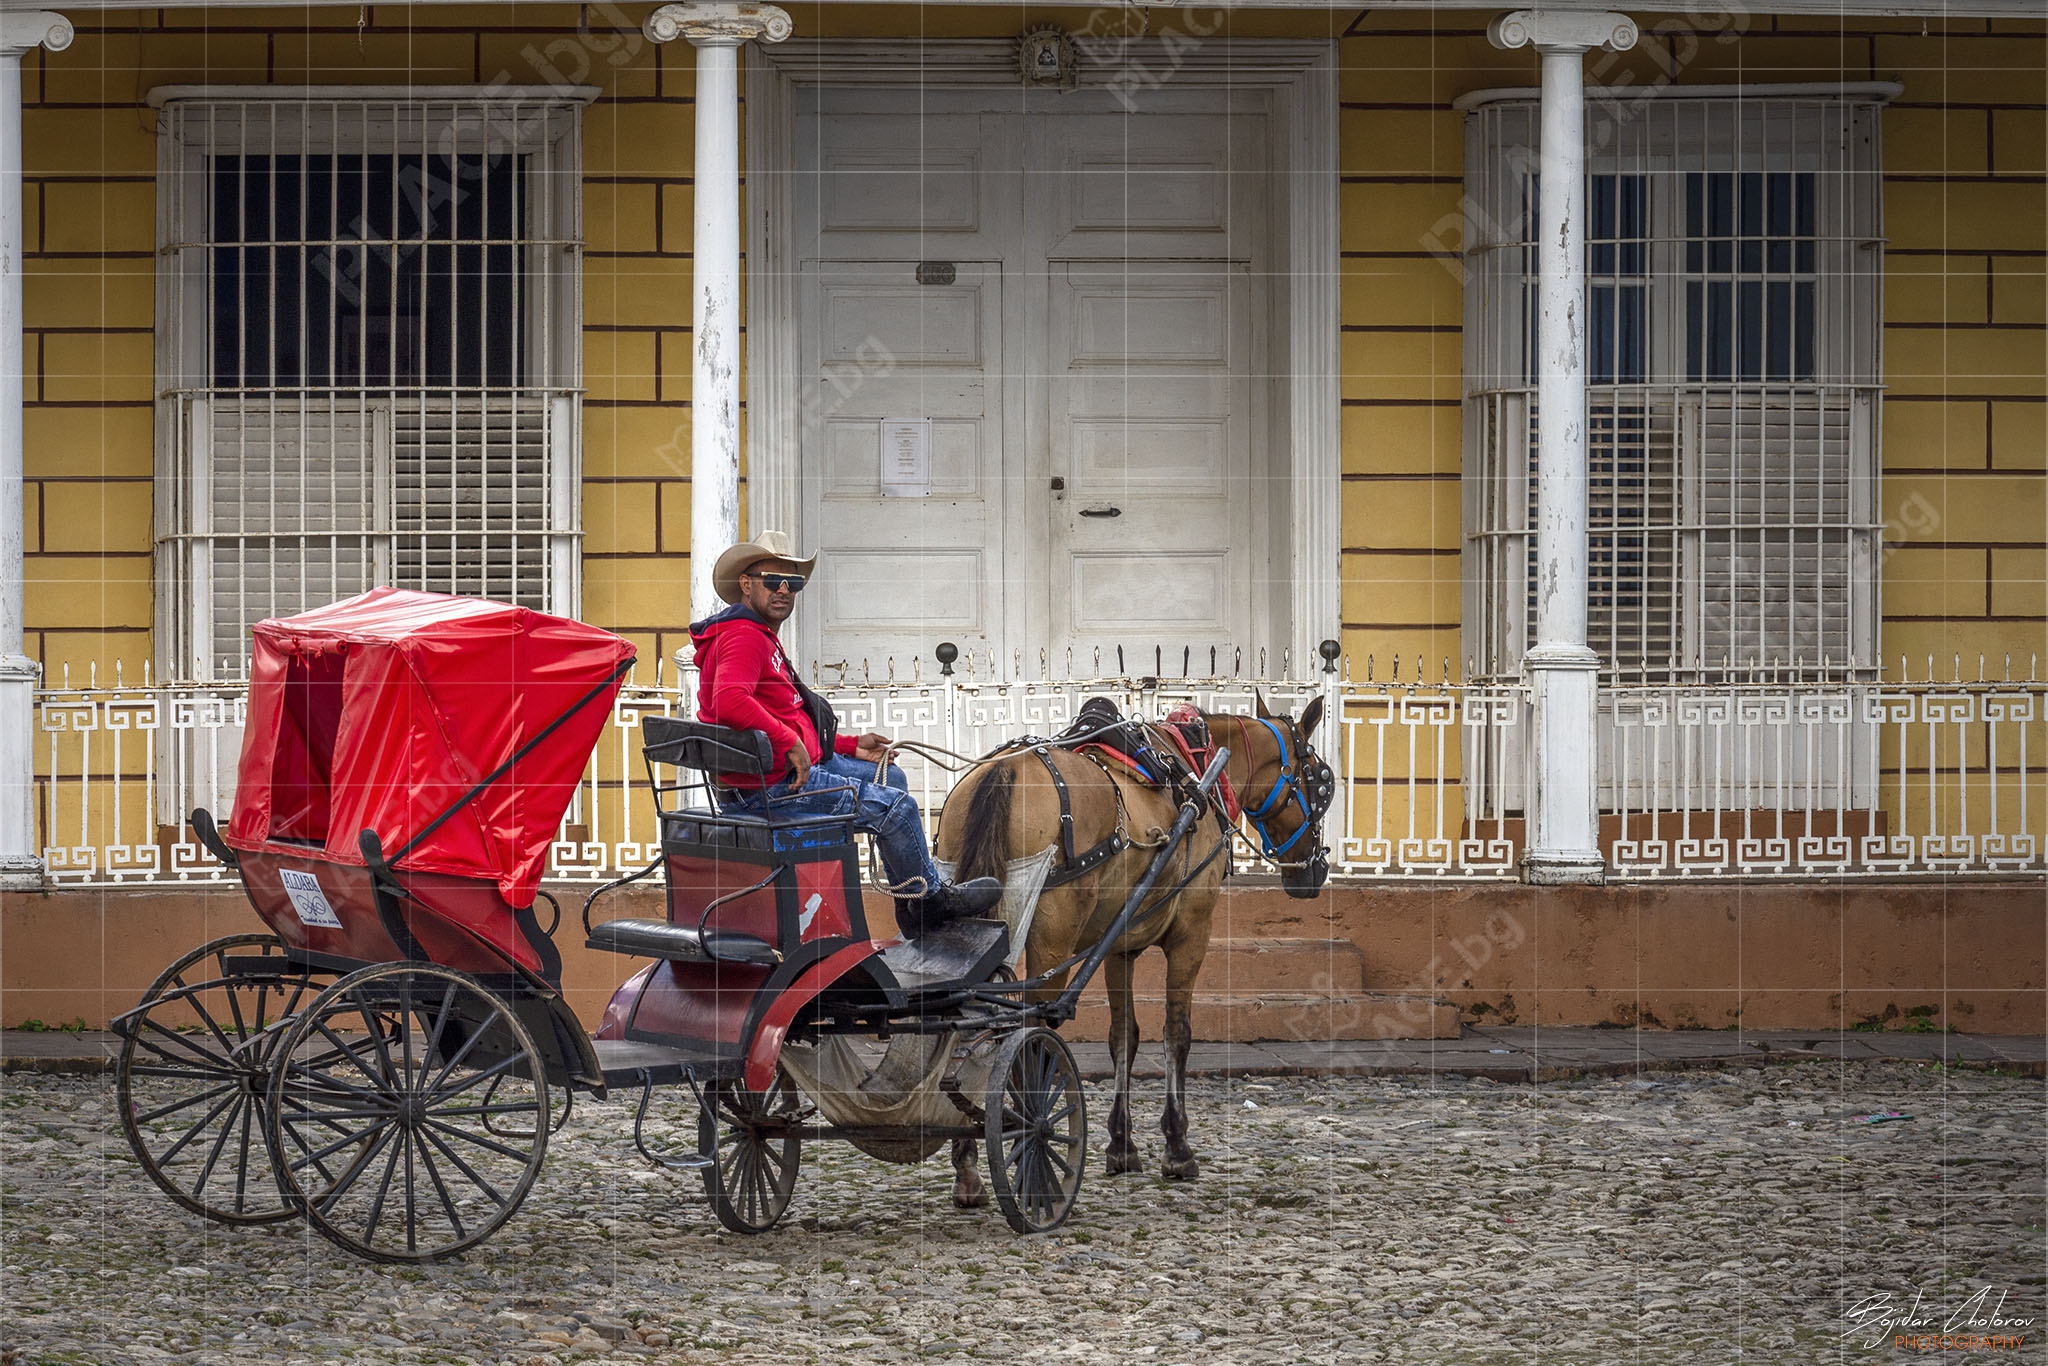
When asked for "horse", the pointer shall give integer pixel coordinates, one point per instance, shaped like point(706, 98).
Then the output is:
point(1010, 807)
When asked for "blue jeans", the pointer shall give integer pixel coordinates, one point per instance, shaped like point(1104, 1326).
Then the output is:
point(841, 785)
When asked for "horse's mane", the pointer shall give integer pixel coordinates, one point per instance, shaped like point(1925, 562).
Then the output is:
point(985, 848)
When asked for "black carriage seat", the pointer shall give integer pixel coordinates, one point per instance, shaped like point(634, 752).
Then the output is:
point(704, 751)
point(680, 943)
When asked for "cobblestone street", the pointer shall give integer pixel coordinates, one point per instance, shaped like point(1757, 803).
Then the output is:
point(1750, 1212)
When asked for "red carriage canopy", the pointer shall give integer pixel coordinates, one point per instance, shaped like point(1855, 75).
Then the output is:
point(384, 711)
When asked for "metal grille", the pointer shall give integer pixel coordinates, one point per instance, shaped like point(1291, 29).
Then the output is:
point(1732, 356)
point(369, 342)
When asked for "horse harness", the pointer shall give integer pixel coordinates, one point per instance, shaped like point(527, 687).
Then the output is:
point(1102, 736)
point(1072, 865)
point(1305, 782)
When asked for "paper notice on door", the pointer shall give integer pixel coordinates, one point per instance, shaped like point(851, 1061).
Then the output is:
point(308, 900)
point(906, 457)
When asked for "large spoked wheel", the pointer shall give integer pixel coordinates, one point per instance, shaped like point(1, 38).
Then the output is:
point(755, 1153)
point(1037, 1130)
point(194, 1070)
point(408, 1112)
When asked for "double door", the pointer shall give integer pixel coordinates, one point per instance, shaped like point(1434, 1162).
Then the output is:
point(1032, 350)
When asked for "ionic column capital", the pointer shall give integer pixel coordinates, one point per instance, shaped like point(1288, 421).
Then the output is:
point(718, 23)
point(1554, 30)
point(23, 33)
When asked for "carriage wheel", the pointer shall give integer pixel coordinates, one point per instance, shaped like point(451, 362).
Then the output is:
point(754, 1172)
point(1037, 1130)
point(408, 1112)
point(193, 1071)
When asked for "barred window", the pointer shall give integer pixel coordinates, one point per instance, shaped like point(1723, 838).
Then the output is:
point(1732, 261)
point(368, 348)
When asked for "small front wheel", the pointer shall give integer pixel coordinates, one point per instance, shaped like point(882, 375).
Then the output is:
point(756, 1150)
point(1037, 1130)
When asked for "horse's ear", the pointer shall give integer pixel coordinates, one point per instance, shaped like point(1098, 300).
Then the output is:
point(1309, 717)
point(1259, 698)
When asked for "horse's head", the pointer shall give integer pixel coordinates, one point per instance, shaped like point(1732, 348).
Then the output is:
point(1288, 790)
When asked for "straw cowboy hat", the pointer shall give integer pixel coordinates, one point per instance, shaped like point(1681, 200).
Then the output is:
point(766, 545)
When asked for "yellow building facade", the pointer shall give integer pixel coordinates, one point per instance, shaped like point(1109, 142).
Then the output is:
point(1963, 493)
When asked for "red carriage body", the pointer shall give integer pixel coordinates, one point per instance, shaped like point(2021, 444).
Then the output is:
point(440, 737)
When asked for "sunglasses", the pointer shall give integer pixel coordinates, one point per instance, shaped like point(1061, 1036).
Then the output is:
point(775, 583)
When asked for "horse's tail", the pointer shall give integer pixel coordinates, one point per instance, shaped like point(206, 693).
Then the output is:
point(985, 846)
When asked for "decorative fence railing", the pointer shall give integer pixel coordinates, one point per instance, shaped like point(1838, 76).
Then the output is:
point(1748, 779)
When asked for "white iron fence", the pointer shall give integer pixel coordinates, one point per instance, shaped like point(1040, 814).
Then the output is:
point(1751, 779)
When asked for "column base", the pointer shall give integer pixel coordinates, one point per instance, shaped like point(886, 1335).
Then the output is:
point(1562, 868)
point(21, 873)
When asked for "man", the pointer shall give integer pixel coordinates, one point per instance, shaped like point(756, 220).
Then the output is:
point(748, 682)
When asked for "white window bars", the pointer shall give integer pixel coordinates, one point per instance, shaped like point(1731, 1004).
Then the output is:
point(1710, 780)
point(368, 351)
point(1732, 360)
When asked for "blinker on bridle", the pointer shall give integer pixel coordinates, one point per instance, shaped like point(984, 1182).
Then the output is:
point(1306, 779)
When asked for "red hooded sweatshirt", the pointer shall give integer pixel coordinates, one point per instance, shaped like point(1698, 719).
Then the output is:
point(744, 682)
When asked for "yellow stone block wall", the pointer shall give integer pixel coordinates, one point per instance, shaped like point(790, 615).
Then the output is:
point(1966, 424)
point(1966, 350)
point(89, 287)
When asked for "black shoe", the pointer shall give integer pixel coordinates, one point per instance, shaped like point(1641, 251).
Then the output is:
point(910, 916)
point(956, 899)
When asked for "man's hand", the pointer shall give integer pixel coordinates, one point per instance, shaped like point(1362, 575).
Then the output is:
point(872, 748)
point(799, 765)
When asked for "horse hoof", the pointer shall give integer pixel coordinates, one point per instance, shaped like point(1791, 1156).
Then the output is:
point(1186, 1169)
point(1118, 1164)
point(970, 1199)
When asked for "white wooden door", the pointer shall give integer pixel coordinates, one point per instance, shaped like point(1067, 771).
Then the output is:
point(1074, 298)
point(1151, 482)
point(898, 574)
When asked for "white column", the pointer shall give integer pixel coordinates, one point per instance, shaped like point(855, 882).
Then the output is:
point(1564, 673)
point(716, 30)
point(21, 863)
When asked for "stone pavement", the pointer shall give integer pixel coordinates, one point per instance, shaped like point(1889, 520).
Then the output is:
point(1755, 1210)
point(1498, 1053)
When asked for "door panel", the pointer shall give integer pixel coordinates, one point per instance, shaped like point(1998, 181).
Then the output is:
point(900, 574)
point(1150, 428)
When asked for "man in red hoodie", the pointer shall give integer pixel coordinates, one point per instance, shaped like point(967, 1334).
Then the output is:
point(746, 681)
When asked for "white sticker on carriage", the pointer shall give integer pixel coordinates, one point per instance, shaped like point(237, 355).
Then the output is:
point(308, 900)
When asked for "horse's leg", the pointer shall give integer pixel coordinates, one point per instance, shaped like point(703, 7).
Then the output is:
point(1123, 1051)
point(968, 1190)
point(1185, 948)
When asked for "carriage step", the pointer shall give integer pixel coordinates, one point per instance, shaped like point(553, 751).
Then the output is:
point(628, 1065)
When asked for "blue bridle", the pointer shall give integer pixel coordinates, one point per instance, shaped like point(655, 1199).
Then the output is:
point(1311, 788)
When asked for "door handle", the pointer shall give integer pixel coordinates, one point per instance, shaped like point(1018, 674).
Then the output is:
point(1102, 512)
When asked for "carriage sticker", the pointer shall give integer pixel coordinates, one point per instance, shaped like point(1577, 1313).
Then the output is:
point(308, 900)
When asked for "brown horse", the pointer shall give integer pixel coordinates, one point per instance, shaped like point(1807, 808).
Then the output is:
point(1009, 808)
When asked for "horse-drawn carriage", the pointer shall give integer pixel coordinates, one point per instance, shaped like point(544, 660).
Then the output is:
point(389, 1060)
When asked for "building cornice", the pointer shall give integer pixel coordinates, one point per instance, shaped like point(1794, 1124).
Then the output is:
point(1844, 10)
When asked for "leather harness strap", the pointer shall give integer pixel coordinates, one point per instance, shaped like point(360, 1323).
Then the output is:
point(1072, 865)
